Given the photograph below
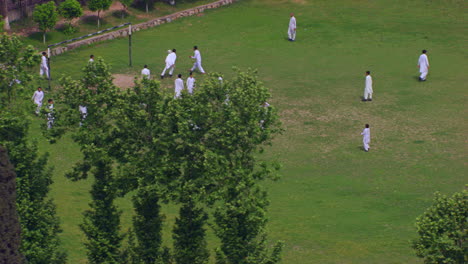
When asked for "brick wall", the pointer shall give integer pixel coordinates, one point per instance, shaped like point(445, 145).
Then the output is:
point(152, 23)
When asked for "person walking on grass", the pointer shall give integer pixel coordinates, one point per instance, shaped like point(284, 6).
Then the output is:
point(179, 86)
point(190, 83)
point(91, 58)
point(423, 64)
point(145, 73)
point(44, 68)
point(366, 138)
point(368, 88)
point(170, 63)
point(292, 28)
point(37, 98)
point(198, 61)
point(50, 113)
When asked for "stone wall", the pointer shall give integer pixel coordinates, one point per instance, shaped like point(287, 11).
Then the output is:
point(152, 23)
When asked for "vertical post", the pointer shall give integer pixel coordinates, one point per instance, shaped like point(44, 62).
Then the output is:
point(130, 45)
point(48, 68)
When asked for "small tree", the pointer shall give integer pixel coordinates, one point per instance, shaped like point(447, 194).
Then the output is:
point(443, 230)
point(70, 9)
point(147, 3)
point(99, 5)
point(46, 17)
point(125, 4)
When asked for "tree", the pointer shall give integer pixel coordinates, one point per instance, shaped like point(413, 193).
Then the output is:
point(147, 3)
point(10, 230)
point(125, 4)
point(4, 14)
point(99, 5)
point(46, 17)
point(38, 219)
point(70, 9)
point(443, 230)
point(189, 235)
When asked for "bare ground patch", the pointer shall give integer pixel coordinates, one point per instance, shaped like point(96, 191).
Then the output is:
point(124, 80)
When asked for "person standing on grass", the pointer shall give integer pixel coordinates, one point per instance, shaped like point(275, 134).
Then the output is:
point(44, 68)
point(37, 98)
point(170, 63)
point(423, 64)
point(366, 138)
point(368, 88)
point(190, 83)
point(50, 114)
point(179, 86)
point(91, 58)
point(145, 73)
point(292, 28)
point(198, 60)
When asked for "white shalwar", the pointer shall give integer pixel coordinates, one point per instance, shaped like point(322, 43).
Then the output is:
point(368, 89)
point(423, 64)
point(170, 63)
point(37, 98)
point(197, 63)
point(50, 116)
point(83, 112)
point(44, 68)
point(366, 138)
point(179, 86)
point(190, 84)
point(145, 73)
point(292, 28)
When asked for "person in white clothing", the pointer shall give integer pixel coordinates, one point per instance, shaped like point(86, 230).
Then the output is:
point(170, 63)
point(292, 28)
point(50, 114)
point(368, 88)
point(44, 68)
point(179, 86)
point(423, 64)
point(37, 98)
point(366, 137)
point(190, 83)
point(145, 73)
point(198, 60)
point(91, 58)
point(83, 113)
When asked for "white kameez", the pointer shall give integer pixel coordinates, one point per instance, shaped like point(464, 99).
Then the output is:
point(190, 84)
point(179, 86)
point(368, 88)
point(170, 63)
point(145, 73)
point(292, 28)
point(366, 138)
point(37, 98)
point(44, 68)
point(423, 64)
point(198, 61)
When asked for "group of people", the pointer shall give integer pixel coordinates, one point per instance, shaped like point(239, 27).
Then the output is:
point(37, 98)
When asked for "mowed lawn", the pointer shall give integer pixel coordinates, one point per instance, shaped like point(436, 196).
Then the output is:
point(335, 203)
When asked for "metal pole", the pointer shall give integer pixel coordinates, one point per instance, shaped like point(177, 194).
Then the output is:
point(130, 46)
point(48, 66)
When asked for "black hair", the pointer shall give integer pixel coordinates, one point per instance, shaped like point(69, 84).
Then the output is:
point(146, 66)
point(173, 50)
point(39, 87)
point(195, 47)
point(424, 51)
point(368, 72)
point(191, 73)
point(367, 125)
point(180, 75)
point(50, 100)
point(43, 53)
point(91, 56)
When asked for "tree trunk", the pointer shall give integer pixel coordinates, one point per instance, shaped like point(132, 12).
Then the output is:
point(9, 223)
point(98, 22)
point(147, 7)
point(4, 14)
point(44, 37)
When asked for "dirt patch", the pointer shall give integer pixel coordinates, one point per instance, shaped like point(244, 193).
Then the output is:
point(123, 80)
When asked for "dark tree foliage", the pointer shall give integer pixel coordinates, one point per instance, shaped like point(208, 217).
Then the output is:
point(10, 230)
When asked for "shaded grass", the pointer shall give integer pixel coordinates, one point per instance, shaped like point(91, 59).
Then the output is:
point(335, 203)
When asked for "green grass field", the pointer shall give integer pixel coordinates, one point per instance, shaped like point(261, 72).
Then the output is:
point(335, 203)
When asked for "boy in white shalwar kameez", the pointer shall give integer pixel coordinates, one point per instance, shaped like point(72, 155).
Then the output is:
point(44, 68)
point(190, 83)
point(366, 138)
point(292, 28)
point(423, 64)
point(37, 98)
point(170, 63)
point(198, 60)
point(179, 86)
point(368, 88)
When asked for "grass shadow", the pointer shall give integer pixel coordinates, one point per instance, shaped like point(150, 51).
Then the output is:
point(120, 14)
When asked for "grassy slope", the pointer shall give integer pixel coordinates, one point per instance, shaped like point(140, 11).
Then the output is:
point(335, 203)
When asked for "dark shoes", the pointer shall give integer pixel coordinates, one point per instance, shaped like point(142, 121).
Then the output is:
point(162, 77)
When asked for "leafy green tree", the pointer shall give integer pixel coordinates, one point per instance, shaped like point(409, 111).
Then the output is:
point(147, 4)
point(38, 219)
point(99, 5)
point(46, 16)
point(443, 230)
point(189, 235)
point(70, 9)
point(10, 230)
point(125, 4)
